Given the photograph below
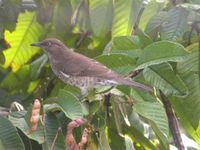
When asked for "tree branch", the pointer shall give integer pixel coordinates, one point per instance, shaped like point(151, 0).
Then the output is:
point(173, 125)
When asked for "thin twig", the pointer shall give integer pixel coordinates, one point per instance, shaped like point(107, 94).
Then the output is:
point(55, 138)
point(173, 125)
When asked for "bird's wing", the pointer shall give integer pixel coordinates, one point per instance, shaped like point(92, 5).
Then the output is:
point(84, 66)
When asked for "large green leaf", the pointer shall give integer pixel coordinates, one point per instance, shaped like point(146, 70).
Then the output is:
point(119, 62)
point(70, 104)
point(174, 26)
point(159, 52)
point(101, 13)
point(26, 32)
point(164, 78)
point(125, 14)
point(155, 112)
point(9, 138)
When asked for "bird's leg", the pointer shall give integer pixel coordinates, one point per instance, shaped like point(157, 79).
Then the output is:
point(84, 93)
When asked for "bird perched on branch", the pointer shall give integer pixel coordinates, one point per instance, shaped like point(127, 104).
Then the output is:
point(81, 71)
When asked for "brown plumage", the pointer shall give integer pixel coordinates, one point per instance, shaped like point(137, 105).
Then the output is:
point(81, 71)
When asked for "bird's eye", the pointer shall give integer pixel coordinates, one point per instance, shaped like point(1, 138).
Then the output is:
point(47, 44)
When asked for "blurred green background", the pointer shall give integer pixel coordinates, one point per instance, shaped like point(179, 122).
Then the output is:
point(154, 41)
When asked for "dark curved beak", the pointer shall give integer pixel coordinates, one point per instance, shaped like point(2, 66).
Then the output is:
point(38, 44)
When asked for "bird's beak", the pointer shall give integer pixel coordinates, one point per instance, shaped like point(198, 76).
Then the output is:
point(38, 44)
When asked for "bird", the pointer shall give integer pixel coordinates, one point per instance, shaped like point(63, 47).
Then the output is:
point(81, 71)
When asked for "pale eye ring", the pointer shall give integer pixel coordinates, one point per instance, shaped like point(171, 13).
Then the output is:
point(47, 43)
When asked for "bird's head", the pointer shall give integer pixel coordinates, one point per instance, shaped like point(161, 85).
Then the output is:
point(50, 45)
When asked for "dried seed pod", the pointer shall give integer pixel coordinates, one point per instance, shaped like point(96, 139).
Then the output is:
point(35, 115)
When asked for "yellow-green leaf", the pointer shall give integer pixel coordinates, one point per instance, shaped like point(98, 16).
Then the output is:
point(26, 32)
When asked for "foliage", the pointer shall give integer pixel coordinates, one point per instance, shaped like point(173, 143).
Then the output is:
point(155, 39)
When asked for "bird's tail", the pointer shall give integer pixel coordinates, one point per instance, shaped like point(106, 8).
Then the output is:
point(136, 85)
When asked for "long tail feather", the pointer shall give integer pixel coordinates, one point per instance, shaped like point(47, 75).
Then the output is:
point(136, 85)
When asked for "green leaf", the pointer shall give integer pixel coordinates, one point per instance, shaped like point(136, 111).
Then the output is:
point(27, 32)
point(174, 26)
point(9, 138)
point(155, 112)
point(125, 14)
point(70, 105)
point(164, 78)
point(53, 133)
point(120, 63)
point(159, 52)
point(101, 13)
point(125, 43)
point(37, 65)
